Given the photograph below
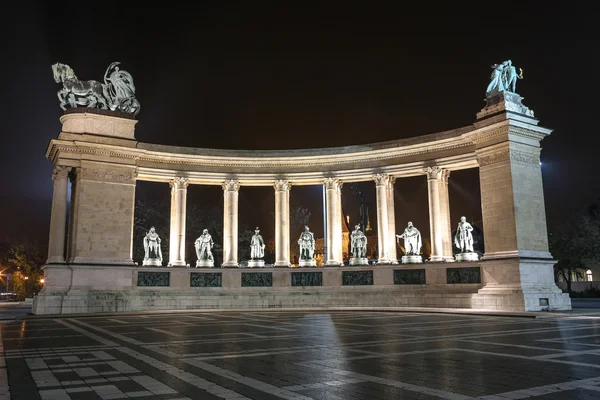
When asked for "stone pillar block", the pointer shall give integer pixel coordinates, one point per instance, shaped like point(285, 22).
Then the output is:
point(102, 215)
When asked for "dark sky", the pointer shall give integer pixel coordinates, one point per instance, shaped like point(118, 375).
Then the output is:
point(252, 76)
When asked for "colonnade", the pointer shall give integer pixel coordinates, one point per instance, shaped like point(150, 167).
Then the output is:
point(439, 217)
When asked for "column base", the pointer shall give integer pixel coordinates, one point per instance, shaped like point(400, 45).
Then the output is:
point(441, 259)
point(383, 261)
point(230, 264)
point(282, 264)
point(412, 259)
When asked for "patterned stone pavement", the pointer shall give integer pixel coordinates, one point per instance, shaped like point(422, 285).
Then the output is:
point(300, 355)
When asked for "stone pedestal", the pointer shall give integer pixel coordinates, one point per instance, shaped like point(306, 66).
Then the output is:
point(256, 263)
point(520, 285)
point(468, 256)
point(412, 259)
point(360, 261)
point(503, 102)
point(307, 263)
point(152, 262)
point(205, 264)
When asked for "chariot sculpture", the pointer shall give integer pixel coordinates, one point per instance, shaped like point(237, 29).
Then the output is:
point(117, 93)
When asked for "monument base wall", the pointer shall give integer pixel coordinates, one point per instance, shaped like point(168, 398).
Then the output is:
point(75, 289)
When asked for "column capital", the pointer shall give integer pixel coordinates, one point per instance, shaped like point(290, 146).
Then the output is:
point(436, 172)
point(333, 183)
point(281, 185)
point(381, 179)
point(231, 185)
point(60, 172)
point(445, 176)
point(178, 183)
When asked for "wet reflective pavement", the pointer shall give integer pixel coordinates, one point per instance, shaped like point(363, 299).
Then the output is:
point(300, 355)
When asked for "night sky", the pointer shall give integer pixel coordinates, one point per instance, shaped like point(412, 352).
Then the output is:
point(253, 76)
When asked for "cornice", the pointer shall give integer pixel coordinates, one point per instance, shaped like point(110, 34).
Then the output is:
point(451, 150)
point(254, 163)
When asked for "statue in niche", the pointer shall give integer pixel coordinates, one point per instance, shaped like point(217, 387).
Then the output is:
point(504, 78)
point(307, 248)
point(257, 246)
point(204, 245)
point(358, 243)
point(412, 240)
point(307, 244)
point(464, 238)
point(152, 252)
point(358, 247)
point(117, 93)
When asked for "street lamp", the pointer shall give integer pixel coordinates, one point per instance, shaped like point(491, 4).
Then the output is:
point(42, 280)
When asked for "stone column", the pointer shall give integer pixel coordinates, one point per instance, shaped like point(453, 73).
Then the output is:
point(382, 182)
point(438, 213)
point(392, 222)
point(447, 239)
point(177, 237)
point(282, 223)
point(230, 223)
point(58, 218)
point(333, 193)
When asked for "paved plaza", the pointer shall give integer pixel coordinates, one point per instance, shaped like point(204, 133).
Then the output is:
point(301, 355)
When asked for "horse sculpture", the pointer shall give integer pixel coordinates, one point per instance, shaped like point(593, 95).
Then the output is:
point(75, 92)
point(117, 93)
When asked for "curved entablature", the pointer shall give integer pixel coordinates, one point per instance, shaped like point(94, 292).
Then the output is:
point(83, 140)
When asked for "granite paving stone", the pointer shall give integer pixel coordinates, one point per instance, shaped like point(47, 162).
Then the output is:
point(300, 355)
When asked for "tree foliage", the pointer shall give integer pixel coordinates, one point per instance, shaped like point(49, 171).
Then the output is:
point(576, 241)
point(26, 264)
